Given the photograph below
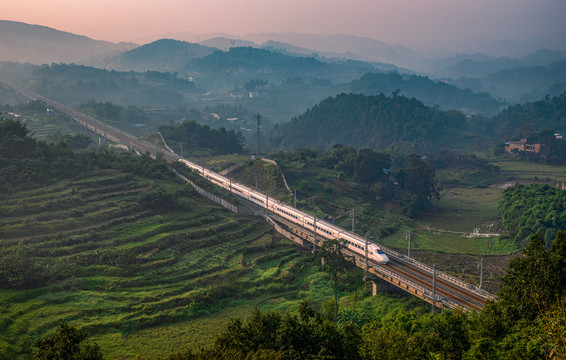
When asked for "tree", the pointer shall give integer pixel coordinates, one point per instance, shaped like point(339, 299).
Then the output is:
point(65, 344)
point(335, 262)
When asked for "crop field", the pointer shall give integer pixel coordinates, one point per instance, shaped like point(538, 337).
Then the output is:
point(463, 209)
point(523, 170)
point(146, 283)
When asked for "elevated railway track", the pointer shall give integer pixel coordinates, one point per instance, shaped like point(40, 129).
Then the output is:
point(440, 289)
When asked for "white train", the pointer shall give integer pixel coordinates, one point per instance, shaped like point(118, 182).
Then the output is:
point(354, 242)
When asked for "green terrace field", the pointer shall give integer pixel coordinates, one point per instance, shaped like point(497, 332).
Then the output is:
point(146, 283)
point(524, 170)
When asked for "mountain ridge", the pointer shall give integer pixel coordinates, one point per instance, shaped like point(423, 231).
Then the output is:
point(38, 44)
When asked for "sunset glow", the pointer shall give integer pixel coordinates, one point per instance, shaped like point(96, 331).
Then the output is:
point(407, 22)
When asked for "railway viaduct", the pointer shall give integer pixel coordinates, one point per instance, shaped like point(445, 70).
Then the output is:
point(439, 289)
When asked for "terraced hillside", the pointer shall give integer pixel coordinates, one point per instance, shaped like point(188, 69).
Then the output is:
point(87, 251)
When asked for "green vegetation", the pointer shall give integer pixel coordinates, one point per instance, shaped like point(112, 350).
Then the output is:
point(161, 55)
point(533, 208)
point(426, 90)
point(526, 323)
point(547, 113)
point(331, 182)
point(126, 253)
point(76, 84)
point(41, 123)
point(375, 122)
point(529, 171)
point(65, 344)
point(192, 137)
point(130, 118)
point(335, 263)
point(252, 59)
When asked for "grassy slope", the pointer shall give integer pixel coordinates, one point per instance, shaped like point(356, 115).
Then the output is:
point(150, 284)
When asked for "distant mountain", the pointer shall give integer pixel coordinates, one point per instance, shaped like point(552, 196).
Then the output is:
point(544, 57)
point(431, 93)
point(73, 84)
point(521, 84)
point(257, 61)
point(278, 46)
point(161, 55)
point(473, 66)
point(225, 44)
point(348, 46)
point(39, 45)
point(480, 65)
point(375, 122)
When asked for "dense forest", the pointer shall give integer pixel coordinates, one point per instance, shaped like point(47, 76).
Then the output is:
point(194, 138)
point(533, 208)
point(374, 122)
point(547, 113)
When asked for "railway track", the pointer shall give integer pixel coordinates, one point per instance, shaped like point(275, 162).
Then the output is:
point(422, 280)
point(438, 286)
point(413, 279)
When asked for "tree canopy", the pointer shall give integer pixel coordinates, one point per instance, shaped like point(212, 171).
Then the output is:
point(533, 208)
point(195, 138)
point(374, 122)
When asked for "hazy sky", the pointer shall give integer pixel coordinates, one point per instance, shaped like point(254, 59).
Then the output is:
point(409, 22)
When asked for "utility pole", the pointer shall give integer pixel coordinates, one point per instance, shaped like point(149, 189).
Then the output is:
point(434, 283)
point(258, 118)
point(314, 245)
point(481, 273)
point(256, 181)
point(353, 221)
point(367, 260)
point(295, 198)
point(201, 163)
point(409, 239)
point(181, 149)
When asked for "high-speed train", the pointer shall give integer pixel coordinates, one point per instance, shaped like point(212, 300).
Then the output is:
point(354, 242)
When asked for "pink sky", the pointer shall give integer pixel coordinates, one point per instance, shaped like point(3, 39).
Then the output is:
point(408, 22)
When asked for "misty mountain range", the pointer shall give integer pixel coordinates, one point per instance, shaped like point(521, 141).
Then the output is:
point(515, 80)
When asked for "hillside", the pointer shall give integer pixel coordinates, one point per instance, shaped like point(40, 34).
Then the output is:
point(161, 55)
point(375, 122)
point(73, 84)
point(430, 92)
point(114, 244)
point(39, 45)
point(544, 72)
point(548, 113)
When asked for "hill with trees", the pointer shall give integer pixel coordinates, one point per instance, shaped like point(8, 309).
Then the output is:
point(120, 248)
point(374, 122)
point(533, 208)
point(193, 137)
point(549, 113)
point(164, 55)
point(432, 93)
